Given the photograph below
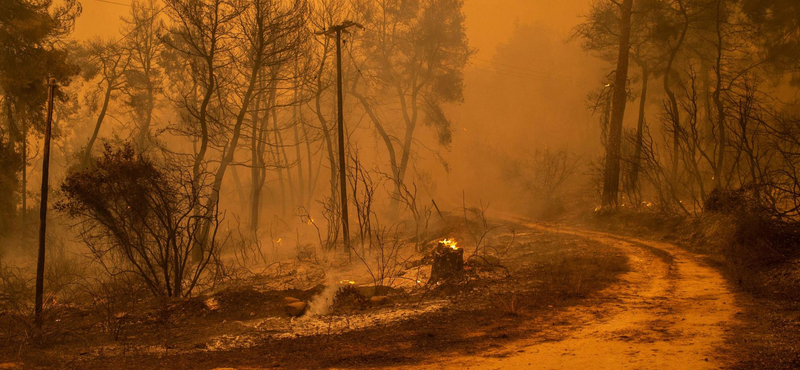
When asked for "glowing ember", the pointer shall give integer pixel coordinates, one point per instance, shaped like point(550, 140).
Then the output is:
point(450, 243)
point(346, 282)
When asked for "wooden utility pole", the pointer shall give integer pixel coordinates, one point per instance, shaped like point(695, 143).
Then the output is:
point(43, 206)
point(336, 31)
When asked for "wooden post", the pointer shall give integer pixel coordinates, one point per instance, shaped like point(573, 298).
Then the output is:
point(336, 32)
point(342, 166)
point(43, 207)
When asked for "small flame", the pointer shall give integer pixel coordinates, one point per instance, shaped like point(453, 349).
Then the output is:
point(346, 282)
point(450, 243)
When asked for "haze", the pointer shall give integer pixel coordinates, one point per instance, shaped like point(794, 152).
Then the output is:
point(399, 184)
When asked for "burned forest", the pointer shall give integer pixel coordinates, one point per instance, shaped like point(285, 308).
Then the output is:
point(399, 184)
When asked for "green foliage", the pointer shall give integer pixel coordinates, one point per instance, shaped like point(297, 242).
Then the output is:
point(31, 34)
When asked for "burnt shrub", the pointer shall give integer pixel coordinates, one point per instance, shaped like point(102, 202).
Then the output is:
point(737, 202)
point(754, 241)
point(142, 219)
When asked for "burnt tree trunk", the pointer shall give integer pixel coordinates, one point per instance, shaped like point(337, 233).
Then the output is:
point(448, 264)
point(620, 98)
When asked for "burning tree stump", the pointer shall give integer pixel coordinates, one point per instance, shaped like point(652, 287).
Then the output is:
point(448, 262)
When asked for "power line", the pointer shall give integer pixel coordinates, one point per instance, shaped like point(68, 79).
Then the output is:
point(112, 2)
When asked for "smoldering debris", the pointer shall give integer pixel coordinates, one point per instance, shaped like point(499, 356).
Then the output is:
point(315, 324)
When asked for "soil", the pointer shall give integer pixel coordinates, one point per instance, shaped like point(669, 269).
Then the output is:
point(670, 311)
point(574, 299)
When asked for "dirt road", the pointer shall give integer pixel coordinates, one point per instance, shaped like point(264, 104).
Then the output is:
point(669, 312)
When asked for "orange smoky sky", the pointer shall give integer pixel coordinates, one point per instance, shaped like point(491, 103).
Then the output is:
point(525, 88)
point(489, 22)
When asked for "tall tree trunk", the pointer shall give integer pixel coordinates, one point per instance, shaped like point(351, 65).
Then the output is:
point(298, 157)
point(326, 134)
point(144, 131)
point(324, 123)
point(203, 115)
point(387, 140)
point(256, 169)
point(637, 154)
point(718, 103)
point(24, 189)
point(259, 170)
point(275, 148)
point(87, 154)
point(198, 249)
point(312, 178)
point(237, 182)
point(281, 152)
point(611, 173)
point(276, 158)
point(411, 123)
point(673, 101)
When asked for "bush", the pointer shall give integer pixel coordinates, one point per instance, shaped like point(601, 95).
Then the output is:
point(738, 202)
point(757, 235)
point(141, 218)
point(755, 242)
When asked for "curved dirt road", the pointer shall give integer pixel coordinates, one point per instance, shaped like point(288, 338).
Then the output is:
point(669, 312)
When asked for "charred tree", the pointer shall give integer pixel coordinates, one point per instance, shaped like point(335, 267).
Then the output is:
point(620, 98)
point(637, 155)
point(111, 64)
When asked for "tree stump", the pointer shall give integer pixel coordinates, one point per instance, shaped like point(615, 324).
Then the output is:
point(448, 263)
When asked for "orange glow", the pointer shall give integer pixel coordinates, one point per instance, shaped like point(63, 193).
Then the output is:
point(450, 243)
